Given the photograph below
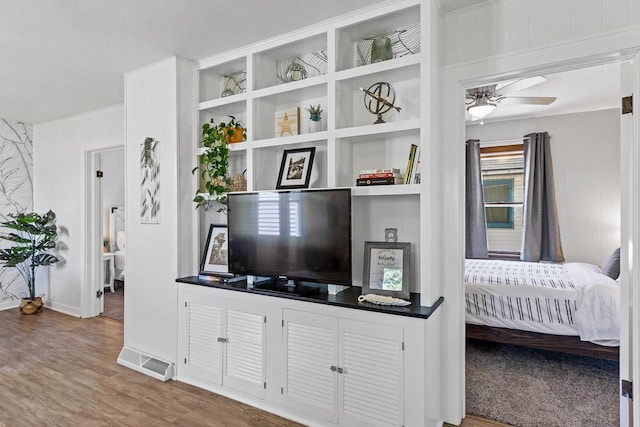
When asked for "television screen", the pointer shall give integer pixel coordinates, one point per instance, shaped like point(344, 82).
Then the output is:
point(304, 235)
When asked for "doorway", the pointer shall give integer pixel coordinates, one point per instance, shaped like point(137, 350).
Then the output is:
point(106, 239)
point(584, 128)
point(456, 80)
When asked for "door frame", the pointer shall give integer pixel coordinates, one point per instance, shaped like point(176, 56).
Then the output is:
point(94, 272)
point(456, 79)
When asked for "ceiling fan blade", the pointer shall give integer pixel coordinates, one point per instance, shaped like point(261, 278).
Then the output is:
point(521, 84)
point(533, 100)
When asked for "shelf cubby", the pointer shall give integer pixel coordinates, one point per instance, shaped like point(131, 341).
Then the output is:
point(373, 151)
point(350, 36)
point(406, 84)
point(270, 66)
point(266, 170)
point(213, 80)
point(265, 108)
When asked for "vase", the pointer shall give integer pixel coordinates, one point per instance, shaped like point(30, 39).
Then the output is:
point(29, 306)
point(381, 49)
point(315, 124)
point(237, 135)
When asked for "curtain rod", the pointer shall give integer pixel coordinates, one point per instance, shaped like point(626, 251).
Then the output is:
point(508, 141)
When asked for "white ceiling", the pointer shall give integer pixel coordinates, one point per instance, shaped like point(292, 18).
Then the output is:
point(586, 89)
point(63, 57)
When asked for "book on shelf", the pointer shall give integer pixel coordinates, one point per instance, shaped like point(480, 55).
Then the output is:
point(410, 164)
point(380, 175)
point(415, 167)
point(385, 170)
point(378, 181)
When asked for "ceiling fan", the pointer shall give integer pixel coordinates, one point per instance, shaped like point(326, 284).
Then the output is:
point(481, 101)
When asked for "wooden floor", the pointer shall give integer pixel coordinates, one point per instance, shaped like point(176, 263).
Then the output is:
point(472, 421)
point(57, 370)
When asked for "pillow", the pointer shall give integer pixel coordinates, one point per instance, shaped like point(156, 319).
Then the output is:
point(121, 241)
point(611, 267)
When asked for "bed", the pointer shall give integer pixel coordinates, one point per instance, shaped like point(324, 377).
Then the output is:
point(569, 307)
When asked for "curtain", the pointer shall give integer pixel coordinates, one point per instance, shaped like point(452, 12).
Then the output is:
point(475, 222)
point(540, 228)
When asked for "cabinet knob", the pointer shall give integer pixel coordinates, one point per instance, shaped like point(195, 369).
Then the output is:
point(333, 369)
point(340, 370)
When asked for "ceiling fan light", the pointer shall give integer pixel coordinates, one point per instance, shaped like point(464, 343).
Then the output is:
point(481, 108)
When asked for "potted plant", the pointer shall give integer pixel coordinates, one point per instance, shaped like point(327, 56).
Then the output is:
point(33, 236)
point(315, 120)
point(233, 129)
point(214, 161)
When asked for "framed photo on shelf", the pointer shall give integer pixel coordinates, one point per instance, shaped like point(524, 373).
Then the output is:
point(386, 269)
point(295, 168)
point(215, 260)
point(287, 122)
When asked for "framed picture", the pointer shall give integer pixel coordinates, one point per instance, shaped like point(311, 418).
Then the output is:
point(287, 122)
point(215, 260)
point(386, 269)
point(295, 168)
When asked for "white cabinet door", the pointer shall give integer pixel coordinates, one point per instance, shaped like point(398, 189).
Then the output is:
point(244, 360)
point(202, 354)
point(371, 381)
point(311, 349)
point(224, 342)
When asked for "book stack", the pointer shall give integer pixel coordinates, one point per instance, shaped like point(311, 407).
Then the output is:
point(412, 174)
point(388, 176)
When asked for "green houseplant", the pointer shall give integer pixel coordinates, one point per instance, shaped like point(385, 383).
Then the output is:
point(214, 161)
point(33, 236)
point(314, 117)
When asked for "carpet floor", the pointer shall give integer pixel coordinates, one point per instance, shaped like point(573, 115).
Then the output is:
point(535, 388)
point(114, 304)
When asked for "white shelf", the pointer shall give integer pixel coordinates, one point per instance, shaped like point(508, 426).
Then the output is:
point(235, 147)
point(219, 102)
point(381, 128)
point(291, 86)
point(290, 140)
point(379, 67)
point(386, 190)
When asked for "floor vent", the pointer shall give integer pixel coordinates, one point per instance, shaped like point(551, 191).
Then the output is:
point(140, 362)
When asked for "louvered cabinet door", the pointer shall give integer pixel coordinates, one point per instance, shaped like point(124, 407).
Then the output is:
point(203, 358)
point(371, 382)
point(244, 367)
point(311, 350)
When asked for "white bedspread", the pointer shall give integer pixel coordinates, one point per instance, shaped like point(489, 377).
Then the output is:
point(559, 299)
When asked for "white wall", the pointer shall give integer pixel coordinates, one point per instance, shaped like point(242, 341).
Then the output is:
point(517, 25)
point(112, 165)
point(60, 147)
point(585, 149)
point(155, 252)
point(16, 193)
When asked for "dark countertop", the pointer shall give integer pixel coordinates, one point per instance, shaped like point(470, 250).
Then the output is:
point(347, 298)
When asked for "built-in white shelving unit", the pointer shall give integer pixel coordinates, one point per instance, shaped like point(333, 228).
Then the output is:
point(335, 55)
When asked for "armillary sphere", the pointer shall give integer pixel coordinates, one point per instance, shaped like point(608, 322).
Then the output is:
point(379, 99)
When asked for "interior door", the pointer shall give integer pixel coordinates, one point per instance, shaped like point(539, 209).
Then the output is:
point(630, 188)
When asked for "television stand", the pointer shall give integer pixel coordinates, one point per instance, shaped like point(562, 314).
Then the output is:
point(284, 286)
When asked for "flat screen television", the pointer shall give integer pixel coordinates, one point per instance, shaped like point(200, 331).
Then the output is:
point(296, 235)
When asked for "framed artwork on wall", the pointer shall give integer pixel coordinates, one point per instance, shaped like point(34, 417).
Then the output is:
point(215, 260)
point(386, 269)
point(295, 168)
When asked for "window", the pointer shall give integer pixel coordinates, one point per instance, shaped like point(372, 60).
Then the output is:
point(503, 182)
point(498, 191)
